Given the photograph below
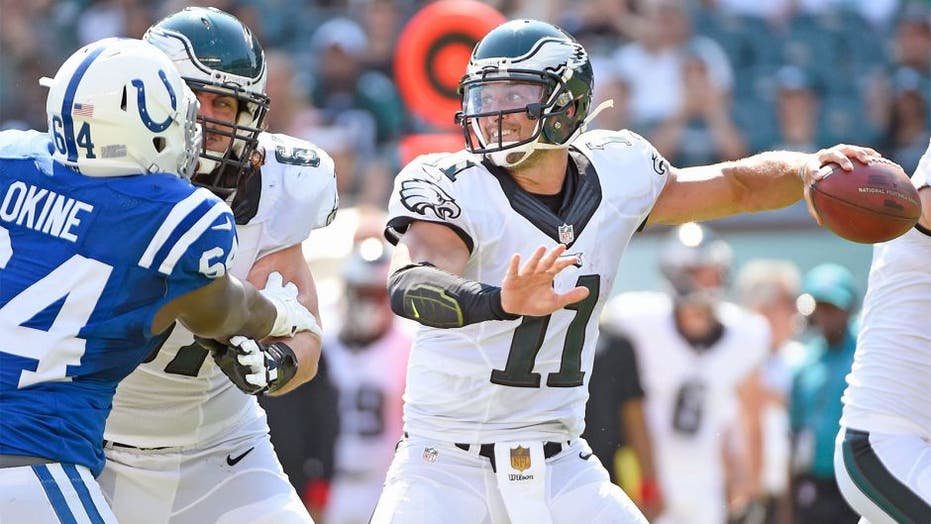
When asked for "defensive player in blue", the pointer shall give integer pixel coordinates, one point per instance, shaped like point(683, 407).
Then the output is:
point(104, 243)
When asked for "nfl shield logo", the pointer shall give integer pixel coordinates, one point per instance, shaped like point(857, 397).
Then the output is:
point(520, 458)
point(430, 454)
point(566, 235)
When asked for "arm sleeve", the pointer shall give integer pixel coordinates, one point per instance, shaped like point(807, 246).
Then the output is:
point(435, 298)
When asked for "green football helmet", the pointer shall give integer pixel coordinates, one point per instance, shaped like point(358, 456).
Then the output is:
point(217, 53)
point(550, 79)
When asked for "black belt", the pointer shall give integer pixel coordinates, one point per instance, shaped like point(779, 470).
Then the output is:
point(111, 444)
point(18, 461)
point(550, 449)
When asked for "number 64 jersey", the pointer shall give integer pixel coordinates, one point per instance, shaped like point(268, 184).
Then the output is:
point(179, 397)
point(525, 378)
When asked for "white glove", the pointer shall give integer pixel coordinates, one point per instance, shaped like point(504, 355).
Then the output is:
point(255, 369)
point(292, 317)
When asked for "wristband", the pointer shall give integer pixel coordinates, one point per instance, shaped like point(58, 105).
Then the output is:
point(282, 365)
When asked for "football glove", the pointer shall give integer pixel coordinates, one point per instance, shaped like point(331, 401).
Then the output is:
point(292, 316)
point(255, 368)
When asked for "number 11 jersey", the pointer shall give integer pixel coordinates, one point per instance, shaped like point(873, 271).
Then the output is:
point(525, 378)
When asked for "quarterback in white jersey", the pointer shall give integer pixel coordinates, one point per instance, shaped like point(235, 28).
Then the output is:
point(882, 457)
point(692, 396)
point(183, 443)
point(497, 379)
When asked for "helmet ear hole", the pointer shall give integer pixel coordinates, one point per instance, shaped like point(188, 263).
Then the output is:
point(159, 143)
point(123, 100)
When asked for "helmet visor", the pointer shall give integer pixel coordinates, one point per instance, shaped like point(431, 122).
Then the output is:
point(492, 98)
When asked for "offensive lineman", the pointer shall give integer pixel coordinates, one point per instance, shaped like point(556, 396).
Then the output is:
point(497, 380)
point(882, 455)
point(183, 443)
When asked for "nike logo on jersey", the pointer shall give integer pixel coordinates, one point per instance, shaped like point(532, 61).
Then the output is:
point(584, 456)
point(226, 225)
point(232, 461)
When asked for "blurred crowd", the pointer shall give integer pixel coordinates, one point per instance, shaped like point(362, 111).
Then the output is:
point(703, 80)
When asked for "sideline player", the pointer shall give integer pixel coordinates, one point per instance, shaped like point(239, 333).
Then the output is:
point(366, 363)
point(698, 357)
point(882, 456)
point(497, 380)
point(104, 243)
point(183, 443)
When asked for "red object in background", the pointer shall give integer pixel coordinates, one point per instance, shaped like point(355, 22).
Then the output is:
point(873, 203)
point(432, 54)
point(413, 146)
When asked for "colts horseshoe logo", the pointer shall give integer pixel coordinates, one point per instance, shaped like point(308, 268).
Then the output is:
point(153, 126)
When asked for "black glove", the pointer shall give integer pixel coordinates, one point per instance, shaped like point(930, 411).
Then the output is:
point(253, 367)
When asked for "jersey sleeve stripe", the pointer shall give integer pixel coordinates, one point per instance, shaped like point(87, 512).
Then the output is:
point(191, 235)
point(178, 213)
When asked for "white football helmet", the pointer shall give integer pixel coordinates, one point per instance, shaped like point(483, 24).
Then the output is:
point(688, 249)
point(118, 107)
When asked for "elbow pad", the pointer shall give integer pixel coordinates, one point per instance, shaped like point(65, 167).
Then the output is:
point(433, 297)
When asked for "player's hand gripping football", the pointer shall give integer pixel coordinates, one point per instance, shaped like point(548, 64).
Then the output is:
point(528, 289)
point(292, 316)
point(251, 366)
point(841, 155)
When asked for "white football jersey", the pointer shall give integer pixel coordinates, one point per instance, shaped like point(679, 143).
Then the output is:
point(524, 378)
point(890, 380)
point(370, 383)
point(181, 397)
point(691, 396)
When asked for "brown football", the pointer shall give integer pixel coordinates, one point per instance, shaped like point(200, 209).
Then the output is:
point(873, 203)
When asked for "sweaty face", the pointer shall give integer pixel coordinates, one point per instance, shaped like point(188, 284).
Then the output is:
point(214, 110)
point(505, 104)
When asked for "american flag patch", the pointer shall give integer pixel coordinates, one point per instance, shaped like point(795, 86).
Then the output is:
point(86, 110)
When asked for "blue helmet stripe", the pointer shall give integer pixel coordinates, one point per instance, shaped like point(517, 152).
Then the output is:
point(67, 105)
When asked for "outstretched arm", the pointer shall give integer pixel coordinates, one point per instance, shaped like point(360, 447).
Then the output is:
point(227, 307)
point(765, 181)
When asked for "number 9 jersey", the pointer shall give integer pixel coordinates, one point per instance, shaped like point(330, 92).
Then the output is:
point(85, 264)
point(525, 378)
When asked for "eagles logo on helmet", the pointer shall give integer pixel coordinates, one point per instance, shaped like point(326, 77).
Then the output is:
point(536, 53)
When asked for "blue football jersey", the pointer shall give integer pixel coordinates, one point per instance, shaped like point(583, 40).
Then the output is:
point(85, 263)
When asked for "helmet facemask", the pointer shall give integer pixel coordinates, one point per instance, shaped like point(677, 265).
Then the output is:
point(223, 171)
point(525, 53)
point(215, 53)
